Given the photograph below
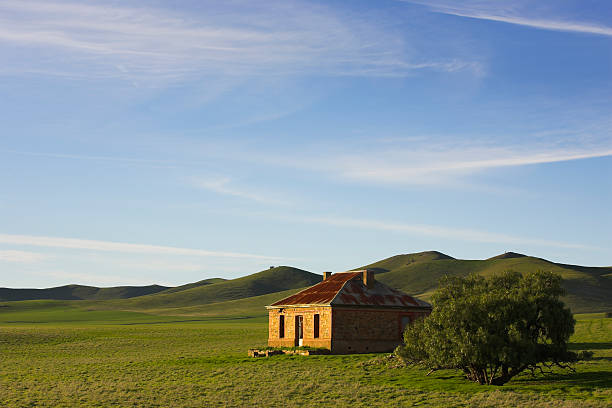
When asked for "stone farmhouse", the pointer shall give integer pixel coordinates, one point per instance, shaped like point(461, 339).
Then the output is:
point(348, 312)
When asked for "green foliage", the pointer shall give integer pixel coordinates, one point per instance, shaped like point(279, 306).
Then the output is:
point(493, 328)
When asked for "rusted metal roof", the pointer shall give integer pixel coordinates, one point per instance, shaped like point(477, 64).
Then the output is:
point(348, 289)
point(320, 294)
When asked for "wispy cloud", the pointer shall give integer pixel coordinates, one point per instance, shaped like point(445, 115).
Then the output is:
point(115, 159)
point(84, 39)
point(109, 246)
point(462, 234)
point(162, 266)
point(21, 256)
point(424, 166)
point(223, 185)
point(439, 161)
point(399, 160)
point(520, 13)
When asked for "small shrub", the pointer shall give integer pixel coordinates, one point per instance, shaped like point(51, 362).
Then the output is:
point(387, 360)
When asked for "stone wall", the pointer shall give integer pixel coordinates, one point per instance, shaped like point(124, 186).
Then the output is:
point(369, 330)
point(290, 313)
point(342, 330)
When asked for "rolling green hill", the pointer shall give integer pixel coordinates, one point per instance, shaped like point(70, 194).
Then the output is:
point(398, 261)
point(271, 280)
point(589, 289)
point(194, 285)
point(253, 306)
point(506, 255)
point(79, 292)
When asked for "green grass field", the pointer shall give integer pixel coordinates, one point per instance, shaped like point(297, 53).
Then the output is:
point(186, 346)
point(59, 354)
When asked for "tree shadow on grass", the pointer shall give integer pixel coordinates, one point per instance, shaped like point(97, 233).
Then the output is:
point(446, 377)
point(589, 380)
point(590, 346)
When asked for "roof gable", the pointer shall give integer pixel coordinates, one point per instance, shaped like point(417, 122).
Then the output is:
point(320, 294)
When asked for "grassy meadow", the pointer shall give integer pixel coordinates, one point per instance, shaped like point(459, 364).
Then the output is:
point(54, 353)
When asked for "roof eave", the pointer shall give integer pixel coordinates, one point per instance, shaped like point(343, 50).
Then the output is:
point(395, 307)
point(300, 305)
point(349, 306)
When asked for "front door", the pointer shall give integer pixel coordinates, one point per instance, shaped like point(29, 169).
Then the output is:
point(299, 330)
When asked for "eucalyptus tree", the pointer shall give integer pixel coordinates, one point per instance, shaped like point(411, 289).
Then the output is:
point(493, 328)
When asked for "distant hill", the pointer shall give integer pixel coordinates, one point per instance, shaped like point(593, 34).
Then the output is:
point(507, 255)
point(82, 292)
point(589, 289)
point(398, 261)
point(194, 285)
point(271, 280)
point(79, 292)
point(253, 306)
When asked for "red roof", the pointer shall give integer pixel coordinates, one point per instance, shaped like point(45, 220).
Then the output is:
point(347, 289)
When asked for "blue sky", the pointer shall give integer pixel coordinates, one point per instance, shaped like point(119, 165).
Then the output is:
point(168, 142)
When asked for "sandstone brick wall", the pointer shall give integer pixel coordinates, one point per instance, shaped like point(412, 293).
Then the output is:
point(368, 330)
point(325, 327)
point(342, 330)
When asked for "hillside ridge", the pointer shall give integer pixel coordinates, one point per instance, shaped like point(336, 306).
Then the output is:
point(270, 280)
point(79, 292)
point(589, 289)
point(507, 255)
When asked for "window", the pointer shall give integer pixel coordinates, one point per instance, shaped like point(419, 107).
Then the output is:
point(281, 326)
point(405, 321)
point(316, 326)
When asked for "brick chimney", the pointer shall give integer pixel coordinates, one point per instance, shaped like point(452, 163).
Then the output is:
point(368, 278)
point(326, 275)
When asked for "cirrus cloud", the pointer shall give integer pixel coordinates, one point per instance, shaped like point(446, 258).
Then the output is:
point(519, 13)
point(15, 256)
point(87, 39)
point(110, 246)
